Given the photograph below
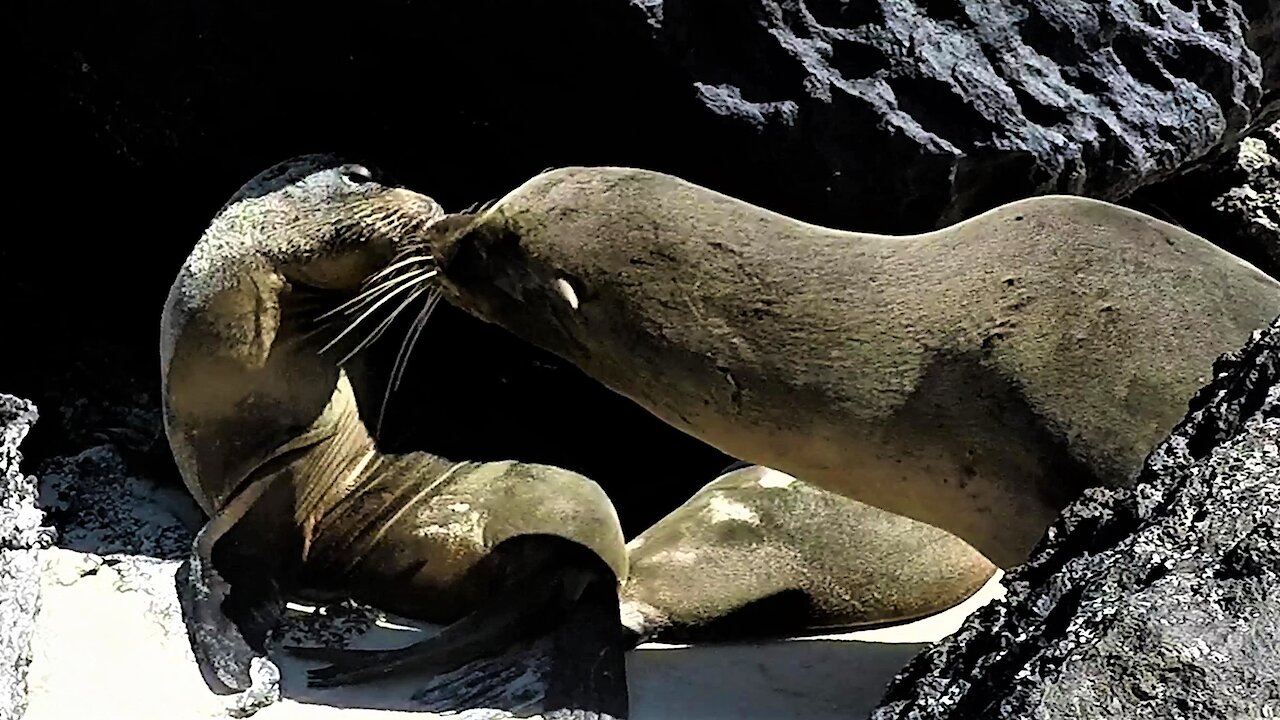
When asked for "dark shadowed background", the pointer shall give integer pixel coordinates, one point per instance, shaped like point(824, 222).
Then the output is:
point(135, 122)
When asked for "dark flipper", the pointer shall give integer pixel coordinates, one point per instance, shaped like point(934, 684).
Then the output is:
point(487, 631)
point(549, 585)
point(588, 676)
point(228, 593)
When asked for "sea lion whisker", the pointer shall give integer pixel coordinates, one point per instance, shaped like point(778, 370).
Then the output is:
point(365, 315)
point(427, 309)
point(413, 247)
point(386, 323)
point(402, 356)
point(367, 294)
point(358, 304)
point(390, 269)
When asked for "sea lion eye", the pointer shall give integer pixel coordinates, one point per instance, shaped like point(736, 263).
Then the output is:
point(357, 174)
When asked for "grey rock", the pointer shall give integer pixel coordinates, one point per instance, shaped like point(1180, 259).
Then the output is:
point(906, 114)
point(1158, 602)
point(1253, 203)
point(21, 538)
point(102, 506)
point(1232, 200)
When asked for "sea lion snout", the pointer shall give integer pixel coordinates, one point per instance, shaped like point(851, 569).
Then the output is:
point(463, 256)
point(485, 267)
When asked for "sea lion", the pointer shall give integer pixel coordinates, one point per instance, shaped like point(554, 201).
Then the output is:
point(976, 378)
point(759, 554)
point(270, 439)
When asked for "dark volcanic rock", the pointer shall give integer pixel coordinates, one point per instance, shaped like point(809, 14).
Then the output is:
point(1159, 602)
point(1233, 201)
point(21, 537)
point(904, 114)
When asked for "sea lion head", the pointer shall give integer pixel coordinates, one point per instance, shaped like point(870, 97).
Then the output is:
point(244, 370)
point(576, 262)
point(630, 275)
point(333, 221)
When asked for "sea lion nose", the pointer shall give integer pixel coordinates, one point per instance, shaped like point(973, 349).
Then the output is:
point(448, 237)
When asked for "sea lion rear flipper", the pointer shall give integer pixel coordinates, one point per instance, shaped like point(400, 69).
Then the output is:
point(543, 589)
point(588, 675)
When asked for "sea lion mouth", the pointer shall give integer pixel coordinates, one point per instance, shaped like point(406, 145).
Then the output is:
point(486, 271)
point(478, 265)
point(443, 237)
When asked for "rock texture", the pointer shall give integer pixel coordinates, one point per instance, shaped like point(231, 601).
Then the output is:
point(21, 537)
point(1163, 601)
point(890, 113)
point(1254, 203)
point(1233, 201)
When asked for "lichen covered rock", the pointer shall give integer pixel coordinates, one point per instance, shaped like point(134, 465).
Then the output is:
point(22, 535)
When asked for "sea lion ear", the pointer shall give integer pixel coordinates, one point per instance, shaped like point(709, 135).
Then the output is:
point(249, 318)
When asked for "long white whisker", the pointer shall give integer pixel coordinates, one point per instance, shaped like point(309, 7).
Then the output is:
point(402, 356)
point(396, 266)
point(382, 327)
point(369, 294)
point(365, 315)
point(423, 317)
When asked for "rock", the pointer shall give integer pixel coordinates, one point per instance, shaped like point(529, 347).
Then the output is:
point(21, 537)
point(900, 115)
point(1233, 201)
point(1254, 203)
point(102, 506)
point(1160, 601)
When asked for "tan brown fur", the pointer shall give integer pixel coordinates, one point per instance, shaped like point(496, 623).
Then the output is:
point(976, 378)
point(270, 439)
point(759, 553)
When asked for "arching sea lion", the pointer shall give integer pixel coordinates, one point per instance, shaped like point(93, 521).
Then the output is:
point(976, 378)
point(270, 440)
point(270, 437)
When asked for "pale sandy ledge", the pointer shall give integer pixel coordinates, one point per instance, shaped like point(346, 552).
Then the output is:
point(110, 644)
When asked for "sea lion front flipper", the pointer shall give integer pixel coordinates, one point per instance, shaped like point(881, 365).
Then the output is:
point(230, 600)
